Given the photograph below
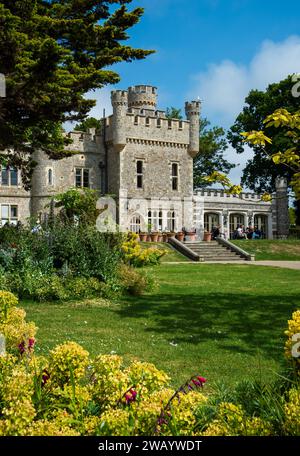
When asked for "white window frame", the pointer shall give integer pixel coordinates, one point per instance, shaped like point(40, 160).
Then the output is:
point(82, 170)
point(10, 219)
point(9, 170)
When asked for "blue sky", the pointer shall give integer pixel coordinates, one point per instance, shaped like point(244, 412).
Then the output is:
point(215, 49)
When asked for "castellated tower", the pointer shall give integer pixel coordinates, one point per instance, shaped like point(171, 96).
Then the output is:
point(192, 110)
point(142, 97)
point(119, 101)
point(39, 190)
point(282, 208)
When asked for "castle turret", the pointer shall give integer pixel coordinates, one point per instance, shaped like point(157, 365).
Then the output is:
point(119, 101)
point(39, 182)
point(192, 110)
point(142, 97)
point(282, 207)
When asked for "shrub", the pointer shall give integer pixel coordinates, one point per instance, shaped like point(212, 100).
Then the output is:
point(69, 393)
point(291, 332)
point(19, 335)
point(135, 255)
point(292, 413)
point(135, 282)
point(68, 362)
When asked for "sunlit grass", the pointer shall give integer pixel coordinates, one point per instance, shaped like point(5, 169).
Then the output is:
point(225, 322)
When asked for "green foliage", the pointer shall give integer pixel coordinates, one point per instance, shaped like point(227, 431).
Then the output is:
point(292, 215)
point(260, 172)
point(135, 255)
point(52, 53)
point(135, 282)
point(79, 204)
point(210, 158)
point(173, 113)
point(90, 122)
point(67, 261)
point(69, 393)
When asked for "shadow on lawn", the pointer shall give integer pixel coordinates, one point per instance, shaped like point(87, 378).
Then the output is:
point(235, 322)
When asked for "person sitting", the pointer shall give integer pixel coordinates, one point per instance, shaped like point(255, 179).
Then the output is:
point(249, 232)
point(240, 233)
point(257, 233)
point(215, 232)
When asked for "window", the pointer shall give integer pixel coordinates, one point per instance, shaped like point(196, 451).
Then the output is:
point(9, 176)
point(82, 177)
point(169, 124)
point(158, 122)
point(174, 176)
point(147, 121)
point(211, 220)
point(136, 120)
point(171, 221)
point(50, 176)
point(4, 214)
point(135, 224)
point(155, 220)
point(86, 178)
point(4, 176)
point(9, 214)
point(160, 220)
point(139, 174)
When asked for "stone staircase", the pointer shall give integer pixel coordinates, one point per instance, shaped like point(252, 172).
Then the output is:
point(213, 251)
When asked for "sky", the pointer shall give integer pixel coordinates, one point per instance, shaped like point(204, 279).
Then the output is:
point(217, 50)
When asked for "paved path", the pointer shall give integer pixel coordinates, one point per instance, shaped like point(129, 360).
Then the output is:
point(276, 264)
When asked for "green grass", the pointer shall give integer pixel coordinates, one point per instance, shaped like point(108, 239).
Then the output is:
point(272, 250)
point(225, 322)
point(172, 255)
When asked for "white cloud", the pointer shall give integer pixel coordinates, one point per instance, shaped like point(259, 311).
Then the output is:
point(224, 86)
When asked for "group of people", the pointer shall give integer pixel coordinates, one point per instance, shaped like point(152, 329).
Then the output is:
point(249, 233)
point(240, 233)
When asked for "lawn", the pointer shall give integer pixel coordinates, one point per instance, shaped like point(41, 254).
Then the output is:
point(285, 250)
point(225, 322)
point(172, 255)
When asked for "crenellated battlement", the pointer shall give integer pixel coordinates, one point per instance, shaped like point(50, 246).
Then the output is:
point(85, 141)
point(142, 96)
point(157, 120)
point(119, 97)
point(220, 193)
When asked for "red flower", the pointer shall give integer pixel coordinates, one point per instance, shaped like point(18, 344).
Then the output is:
point(21, 347)
point(201, 379)
point(130, 396)
point(31, 343)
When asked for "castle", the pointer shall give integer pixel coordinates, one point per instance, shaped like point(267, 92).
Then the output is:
point(146, 161)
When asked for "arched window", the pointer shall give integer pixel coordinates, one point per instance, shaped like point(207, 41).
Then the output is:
point(171, 221)
point(135, 224)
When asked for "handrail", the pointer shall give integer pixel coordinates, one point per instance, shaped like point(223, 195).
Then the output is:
point(182, 248)
point(236, 249)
